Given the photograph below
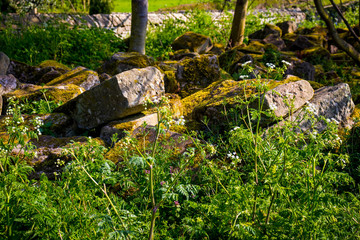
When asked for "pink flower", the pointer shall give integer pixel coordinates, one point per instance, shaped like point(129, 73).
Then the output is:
point(176, 203)
point(162, 183)
point(147, 171)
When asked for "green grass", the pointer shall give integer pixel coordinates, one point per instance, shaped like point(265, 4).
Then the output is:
point(154, 5)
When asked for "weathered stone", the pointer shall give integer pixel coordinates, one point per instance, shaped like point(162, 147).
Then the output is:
point(124, 61)
point(268, 29)
point(287, 27)
point(79, 76)
point(287, 97)
point(22, 72)
point(301, 43)
point(48, 70)
point(127, 124)
point(331, 102)
point(8, 83)
point(193, 41)
point(49, 154)
point(121, 96)
point(301, 69)
point(54, 65)
point(4, 63)
point(197, 73)
point(171, 143)
point(34, 93)
point(276, 41)
point(209, 102)
point(318, 53)
point(217, 49)
point(183, 53)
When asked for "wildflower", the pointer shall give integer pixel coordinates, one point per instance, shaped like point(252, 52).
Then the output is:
point(244, 76)
point(162, 183)
point(176, 203)
point(234, 129)
point(233, 156)
point(147, 171)
point(245, 63)
point(312, 108)
point(270, 65)
point(273, 106)
point(180, 121)
point(286, 63)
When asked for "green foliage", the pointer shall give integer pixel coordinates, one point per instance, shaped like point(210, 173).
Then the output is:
point(101, 6)
point(58, 41)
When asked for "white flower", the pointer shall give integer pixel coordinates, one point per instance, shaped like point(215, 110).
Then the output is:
point(243, 76)
point(286, 63)
point(311, 107)
point(270, 65)
point(233, 155)
point(245, 63)
point(273, 106)
point(234, 129)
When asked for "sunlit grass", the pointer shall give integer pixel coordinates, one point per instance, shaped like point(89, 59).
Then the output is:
point(154, 5)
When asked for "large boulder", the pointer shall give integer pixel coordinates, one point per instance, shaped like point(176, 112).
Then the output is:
point(301, 69)
point(287, 27)
point(209, 102)
point(332, 102)
point(120, 127)
point(22, 71)
point(4, 63)
point(49, 70)
point(79, 76)
point(35, 93)
point(192, 41)
point(124, 61)
point(287, 97)
point(8, 83)
point(121, 96)
point(197, 73)
point(268, 29)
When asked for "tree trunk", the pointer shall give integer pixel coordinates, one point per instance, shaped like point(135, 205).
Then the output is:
point(340, 43)
point(139, 18)
point(238, 24)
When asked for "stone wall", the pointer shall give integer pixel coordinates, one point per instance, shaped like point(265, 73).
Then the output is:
point(120, 23)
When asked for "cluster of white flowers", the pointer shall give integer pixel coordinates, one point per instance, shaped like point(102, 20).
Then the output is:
point(313, 134)
point(312, 108)
point(333, 120)
point(272, 106)
point(10, 111)
point(37, 123)
point(270, 65)
point(156, 100)
point(245, 63)
point(180, 121)
point(233, 156)
point(59, 163)
point(286, 63)
point(244, 76)
point(234, 129)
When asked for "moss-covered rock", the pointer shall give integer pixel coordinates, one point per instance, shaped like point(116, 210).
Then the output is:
point(79, 76)
point(315, 54)
point(194, 42)
point(123, 61)
point(268, 29)
point(35, 93)
point(49, 154)
point(120, 127)
point(55, 65)
point(170, 143)
point(222, 96)
point(198, 73)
